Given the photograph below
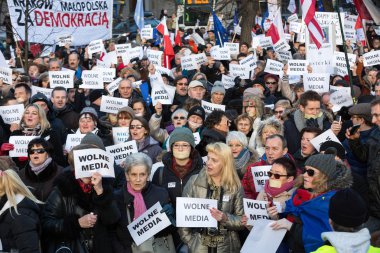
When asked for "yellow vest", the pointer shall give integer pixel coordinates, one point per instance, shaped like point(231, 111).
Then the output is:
point(330, 249)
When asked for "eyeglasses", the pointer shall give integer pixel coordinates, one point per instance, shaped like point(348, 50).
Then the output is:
point(136, 126)
point(276, 176)
point(177, 118)
point(270, 82)
point(183, 146)
point(278, 112)
point(309, 172)
point(37, 151)
point(181, 84)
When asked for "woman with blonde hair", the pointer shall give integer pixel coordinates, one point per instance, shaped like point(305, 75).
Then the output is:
point(19, 215)
point(217, 180)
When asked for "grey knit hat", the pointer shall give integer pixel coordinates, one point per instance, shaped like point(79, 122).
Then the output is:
point(218, 88)
point(324, 163)
point(93, 139)
point(182, 134)
point(89, 110)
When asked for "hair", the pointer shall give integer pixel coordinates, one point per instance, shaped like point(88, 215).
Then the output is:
point(230, 179)
point(44, 77)
point(238, 136)
point(288, 164)
point(259, 106)
point(245, 44)
point(136, 160)
point(199, 74)
point(190, 103)
point(6, 100)
point(11, 185)
point(244, 116)
point(129, 71)
point(75, 53)
point(282, 138)
point(42, 116)
point(179, 111)
point(283, 103)
point(70, 156)
point(309, 95)
point(58, 88)
point(143, 122)
point(375, 102)
point(214, 118)
point(42, 142)
point(314, 130)
point(25, 86)
point(52, 61)
point(125, 114)
point(272, 122)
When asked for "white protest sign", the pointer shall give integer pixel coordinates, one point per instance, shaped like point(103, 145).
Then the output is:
point(371, 58)
point(6, 75)
point(281, 45)
point(195, 212)
point(73, 140)
point(239, 70)
point(12, 113)
point(20, 145)
point(337, 88)
point(209, 107)
point(148, 224)
point(214, 52)
point(64, 40)
point(95, 46)
point(266, 42)
point(154, 56)
point(88, 161)
point(120, 134)
point(197, 39)
point(122, 150)
point(318, 82)
point(323, 137)
point(339, 61)
point(3, 62)
point(162, 93)
point(233, 47)
point(263, 238)
point(256, 40)
point(295, 27)
point(256, 210)
point(134, 52)
point(228, 81)
point(274, 67)
point(331, 18)
point(377, 29)
point(110, 58)
point(197, 138)
point(293, 18)
point(114, 85)
point(225, 54)
point(294, 79)
point(108, 74)
point(156, 79)
point(284, 55)
point(162, 70)
point(112, 104)
point(122, 49)
point(339, 99)
point(297, 67)
point(287, 37)
point(102, 64)
point(61, 78)
point(45, 91)
point(147, 33)
point(188, 62)
point(92, 79)
point(200, 58)
point(249, 61)
point(260, 176)
point(349, 27)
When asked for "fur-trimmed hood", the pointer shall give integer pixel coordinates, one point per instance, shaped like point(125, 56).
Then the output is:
point(343, 180)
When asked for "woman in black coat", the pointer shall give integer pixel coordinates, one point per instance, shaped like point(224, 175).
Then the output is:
point(79, 212)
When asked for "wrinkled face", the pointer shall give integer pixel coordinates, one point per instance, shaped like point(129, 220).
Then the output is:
point(223, 125)
point(54, 66)
point(86, 124)
point(137, 177)
point(139, 109)
point(244, 126)
point(59, 99)
point(274, 149)
point(214, 165)
point(306, 147)
point(31, 117)
point(125, 89)
point(73, 61)
point(197, 92)
point(236, 147)
point(268, 131)
point(181, 87)
point(312, 108)
point(33, 71)
point(179, 120)
point(217, 97)
point(137, 130)
point(21, 95)
point(272, 85)
point(38, 155)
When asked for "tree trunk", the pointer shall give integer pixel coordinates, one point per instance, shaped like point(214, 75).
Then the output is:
point(248, 10)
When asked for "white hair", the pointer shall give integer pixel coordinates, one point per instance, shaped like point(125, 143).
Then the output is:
point(237, 136)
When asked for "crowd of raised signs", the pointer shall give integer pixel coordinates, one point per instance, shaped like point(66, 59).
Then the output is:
point(120, 147)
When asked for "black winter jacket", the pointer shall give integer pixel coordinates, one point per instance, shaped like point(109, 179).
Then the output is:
point(69, 117)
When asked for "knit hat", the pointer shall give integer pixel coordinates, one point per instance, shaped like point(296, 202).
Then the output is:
point(182, 134)
point(259, 81)
point(93, 139)
point(324, 163)
point(39, 97)
point(218, 88)
point(333, 148)
point(249, 95)
point(197, 110)
point(362, 110)
point(347, 208)
point(95, 94)
point(91, 111)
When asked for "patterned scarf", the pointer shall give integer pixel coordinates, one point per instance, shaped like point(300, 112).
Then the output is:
point(242, 160)
point(138, 202)
point(28, 131)
point(39, 168)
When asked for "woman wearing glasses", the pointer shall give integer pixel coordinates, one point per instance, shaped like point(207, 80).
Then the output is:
point(306, 214)
point(41, 170)
point(140, 132)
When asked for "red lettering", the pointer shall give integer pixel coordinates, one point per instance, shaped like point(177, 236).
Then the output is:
point(38, 18)
point(88, 20)
point(47, 19)
point(55, 20)
point(74, 20)
point(93, 21)
point(105, 19)
point(66, 19)
point(80, 19)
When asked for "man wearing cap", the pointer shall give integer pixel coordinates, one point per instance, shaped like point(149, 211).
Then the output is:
point(195, 119)
point(196, 90)
point(217, 93)
point(347, 213)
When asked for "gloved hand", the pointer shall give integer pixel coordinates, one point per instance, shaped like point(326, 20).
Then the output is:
point(169, 210)
point(312, 123)
point(7, 147)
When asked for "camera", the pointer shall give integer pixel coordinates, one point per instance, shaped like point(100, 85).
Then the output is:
point(212, 231)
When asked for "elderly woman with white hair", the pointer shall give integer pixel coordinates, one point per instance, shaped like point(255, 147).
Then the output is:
point(238, 143)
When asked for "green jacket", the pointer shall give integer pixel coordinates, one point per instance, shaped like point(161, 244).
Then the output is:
point(331, 249)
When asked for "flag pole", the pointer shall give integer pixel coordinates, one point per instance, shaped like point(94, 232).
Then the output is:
point(235, 31)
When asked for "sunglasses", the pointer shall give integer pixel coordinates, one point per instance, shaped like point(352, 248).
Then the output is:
point(177, 118)
point(37, 151)
point(309, 172)
point(136, 126)
point(270, 82)
point(276, 176)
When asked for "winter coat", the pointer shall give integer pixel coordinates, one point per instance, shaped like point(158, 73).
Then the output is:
point(232, 206)
point(66, 204)
point(19, 230)
point(170, 181)
point(151, 195)
point(209, 136)
point(151, 147)
point(41, 184)
point(69, 117)
point(156, 131)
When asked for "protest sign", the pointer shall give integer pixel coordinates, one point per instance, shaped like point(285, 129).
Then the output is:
point(102, 64)
point(122, 150)
point(233, 47)
point(114, 85)
point(214, 52)
point(6, 75)
point(295, 27)
point(135, 52)
point(225, 54)
point(256, 210)
point(266, 42)
point(323, 137)
point(256, 40)
point(349, 27)
point(154, 56)
point(108, 74)
point(20, 145)
point(297, 67)
point(293, 18)
point(156, 79)
point(331, 18)
point(110, 58)
point(281, 45)
point(92, 79)
point(120, 134)
point(88, 161)
point(122, 49)
point(95, 46)
point(249, 61)
point(148, 224)
point(209, 107)
point(263, 238)
point(197, 39)
point(195, 212)
point(371, 58)
point(239, 70)
point(339, 61)
point(377, 29)
point(337, 88)
point(318, 82)
point(284, 55)
point(188, 62)
point(147, 33)
point(73, 140)
point(45, 91)
point(162, 93)
point(274, 67)
point(61, 78)
point(228, 81)
point(162, 70)
point(340, 98)
point(12, 113)
point(112, 104)
point(294, 79)
point(65, 40)
point(200, 58)
point(82, 19)
point(260, 176)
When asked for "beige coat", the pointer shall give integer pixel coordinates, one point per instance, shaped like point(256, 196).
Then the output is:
point(196, 187)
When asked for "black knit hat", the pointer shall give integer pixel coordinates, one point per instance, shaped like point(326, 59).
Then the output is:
point(347, 208)
point(197, 110)
point(95, 94)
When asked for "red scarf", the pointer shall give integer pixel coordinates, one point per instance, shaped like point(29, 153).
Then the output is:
point(181, 171)
point(277, 191)
point(302, 196)
point(86, 188)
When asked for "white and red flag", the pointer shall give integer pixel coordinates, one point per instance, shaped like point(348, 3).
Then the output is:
point(308, 15)
point(168, 47)
point(276, 30)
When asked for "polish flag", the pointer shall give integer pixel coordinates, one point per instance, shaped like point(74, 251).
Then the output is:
point(308, 15)
point(178, 40)
point(360, 31)
point(168, 47)
point(276, 30)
